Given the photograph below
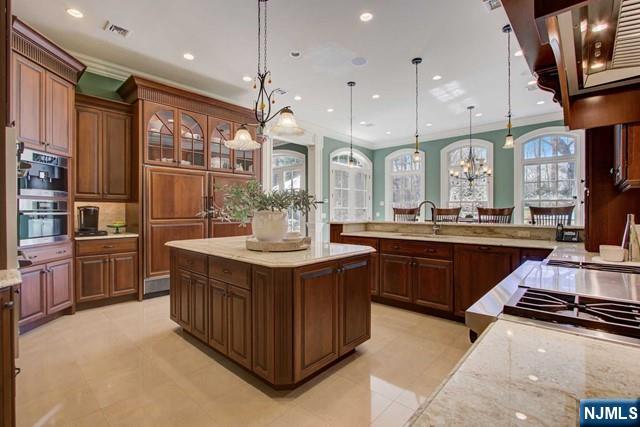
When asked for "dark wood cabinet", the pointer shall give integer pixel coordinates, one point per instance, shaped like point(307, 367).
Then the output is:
point(59, 285)
point(46, 289)
point(220, 157)
point(7, 357)
point(59, 100)
point(193, 145)
point(239, 322)
point(217, 336)
point(478, 269)
point(626, 170)
point(432, 283)
point(92, 278)
point(198, 294)
point(375, 262)
point(103, 150)
point(395, 277)
point(33, 297)
point(123, 274)
point(355, 303)
point(533, 254)
point(160, 146)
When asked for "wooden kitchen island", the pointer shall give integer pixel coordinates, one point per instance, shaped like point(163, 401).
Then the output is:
point(283, 316)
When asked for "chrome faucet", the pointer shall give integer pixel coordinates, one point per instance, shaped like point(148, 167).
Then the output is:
point(434, 218)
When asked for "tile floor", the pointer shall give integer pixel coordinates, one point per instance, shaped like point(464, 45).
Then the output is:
point(129, 365)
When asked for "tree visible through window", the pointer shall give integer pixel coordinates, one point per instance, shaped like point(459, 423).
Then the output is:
point(404, 181)
point(350, 187)
point(288, 173)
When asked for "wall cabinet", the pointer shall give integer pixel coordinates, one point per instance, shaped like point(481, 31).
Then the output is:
point(43, 108)
point(46, 289)
point(103, 150)
point(626, 170)
point(7, 357)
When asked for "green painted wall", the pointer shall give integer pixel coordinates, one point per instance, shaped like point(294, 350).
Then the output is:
point(302, 149)
point(503, 190)
point(96, 85)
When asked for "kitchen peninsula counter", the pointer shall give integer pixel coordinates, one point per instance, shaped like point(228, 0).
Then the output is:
point(283, 316)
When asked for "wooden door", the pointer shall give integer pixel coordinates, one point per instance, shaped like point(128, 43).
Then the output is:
point(123, 274)
point(433, 283)
point(88, 153)
point(316, 318)
point(29, 98)
point(160, 137)
point(92, 278)
point(355, 303)
point(478, 270)
point(239, 318)
point(217, 307)
point(59, 96)
point(395, 277)
point(184, 310)
point(59, 285)
point(174, 194)
point(192, 146)
point(7, 362)
point(199, 306)
point(220, 157)
point(33, 305)
point(116, 156)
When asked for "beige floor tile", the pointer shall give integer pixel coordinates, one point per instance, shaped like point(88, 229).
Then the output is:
point(95, 419)
point(396, 415)
point(58, 407)
point(299, 417)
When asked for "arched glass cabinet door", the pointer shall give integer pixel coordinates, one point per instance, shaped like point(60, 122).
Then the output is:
point(160, 137)
point(192, 143)
point(220, 157)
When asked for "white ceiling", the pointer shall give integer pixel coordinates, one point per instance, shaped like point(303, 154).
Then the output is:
point(458, 39)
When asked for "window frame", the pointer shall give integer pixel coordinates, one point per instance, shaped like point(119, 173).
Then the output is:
point(444, 167)
point(301, 168)
point(519, 162)
point(368, 166)
point(388, 208)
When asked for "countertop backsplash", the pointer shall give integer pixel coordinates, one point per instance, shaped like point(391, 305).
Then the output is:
point(109, 213)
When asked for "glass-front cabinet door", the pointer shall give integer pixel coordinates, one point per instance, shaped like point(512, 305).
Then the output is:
point(159, 133)
point(220, 157)
point(192, 140)
point(245, 161)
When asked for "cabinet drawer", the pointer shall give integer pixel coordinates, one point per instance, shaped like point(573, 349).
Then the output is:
point(48, 253)
point(364, 241)
point(232, 272)
point(416, 248)
point(192, 261)
point(106, 246)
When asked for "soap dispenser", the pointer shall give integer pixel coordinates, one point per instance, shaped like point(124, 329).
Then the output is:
point(627, 237)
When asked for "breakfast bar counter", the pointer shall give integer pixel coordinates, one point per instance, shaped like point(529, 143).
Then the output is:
point(283, 316)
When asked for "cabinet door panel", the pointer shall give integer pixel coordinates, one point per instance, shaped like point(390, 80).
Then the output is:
point(59, 109)
point(355, 304)
point(33, 294)
point(217, 333)
point(123, 274)
point(116, 156)
point(92, 278)
point(87, 153)
point(157, 256)
point(395, 277)
point(239, 318)
point(175, 194)
point(160, 136)
point(192, 147)
point(199, 306)
point(433, 284)
point(59, 286)
point(29, 81)
point(184, 311)
point(316, 341)
point(220, 157)
point(7, 361)
point(375, 274)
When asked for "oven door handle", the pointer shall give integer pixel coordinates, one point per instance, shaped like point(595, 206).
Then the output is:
point(44, 213)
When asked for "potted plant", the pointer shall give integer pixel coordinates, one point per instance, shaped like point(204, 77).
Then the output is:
point(267, 211)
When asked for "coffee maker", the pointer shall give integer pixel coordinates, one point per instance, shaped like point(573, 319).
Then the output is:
point(88, 221)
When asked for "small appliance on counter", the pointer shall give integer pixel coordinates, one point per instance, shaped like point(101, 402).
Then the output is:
point(88, 222)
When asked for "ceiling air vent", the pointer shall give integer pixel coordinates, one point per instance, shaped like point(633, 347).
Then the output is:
point(492, 4)
point(115, 29)
point(626, 52)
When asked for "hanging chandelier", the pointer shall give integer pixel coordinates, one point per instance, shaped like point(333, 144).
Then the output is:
point(352, 160)
point(508, 140)
point(473, 169)
point(416, 153)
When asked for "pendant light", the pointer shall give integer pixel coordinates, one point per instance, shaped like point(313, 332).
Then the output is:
point(352, 160)
point(473, 169)
point(508, 141)
point(416, 153)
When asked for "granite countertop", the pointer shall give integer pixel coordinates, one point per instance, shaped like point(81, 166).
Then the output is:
point(520, 372)
point(9, 278)
point(461, 224)
point(108, 236)
point(234, 248)
point(473, 240)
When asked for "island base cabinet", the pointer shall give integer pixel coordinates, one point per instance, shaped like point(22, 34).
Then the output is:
point(355, 304)
point(217, 337)
point(239, 321)
point(433, 283)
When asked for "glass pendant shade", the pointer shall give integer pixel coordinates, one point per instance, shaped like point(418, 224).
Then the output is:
point(508, 141)
point(287, 124)
point(242, 141)
point(416, 156)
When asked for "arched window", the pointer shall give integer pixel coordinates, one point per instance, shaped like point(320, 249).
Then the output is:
point(404, 181)
point(350, 186)
point(288, 173)
point(548, 170)
point(455, 192)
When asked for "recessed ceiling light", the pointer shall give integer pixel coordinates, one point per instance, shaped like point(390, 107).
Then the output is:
point(597, 65)
point(330, 110)
point(518, 53)
point(599, 27)
point(75, 13)
point(478, 114)
point(540, 102)
point(521, 416)
point(295, 54)
point(297, 98)
point(375, 96)
point(542, 350)
point(388, 132)
point(363, 123)
point(366, 17)
point(247, 79)
point(437, 77)
point(532, 82)
point(188, 56)
point(533, 378)
point(429, 125)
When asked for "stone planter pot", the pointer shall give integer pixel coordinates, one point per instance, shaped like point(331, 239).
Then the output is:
point(269, 226)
